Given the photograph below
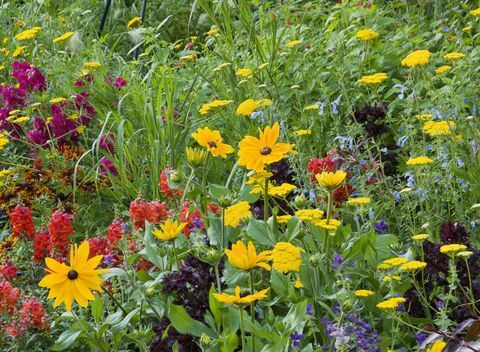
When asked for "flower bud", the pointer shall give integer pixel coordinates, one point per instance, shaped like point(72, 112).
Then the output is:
point(205, 339)
point(300, 201)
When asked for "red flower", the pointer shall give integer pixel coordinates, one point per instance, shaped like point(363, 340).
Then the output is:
point(193, 218)
point(156, 212)
point(8, 271)
point(9, 296)
point(22, 222)
point(41, 246)
point(98, 246)
point(164, 187)
point(138, 213)
point(60, 229)
point(33, 313)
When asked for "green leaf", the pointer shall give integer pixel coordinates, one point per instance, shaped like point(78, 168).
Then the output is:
point(214, 307)
point(66, 339)
point(279, 283)
point(231, 343)
point(97, 308)
point(114, 318)
point(218, 191)
point(184, 323)
point(123, 324)
point(260, 232)
point(296, 315)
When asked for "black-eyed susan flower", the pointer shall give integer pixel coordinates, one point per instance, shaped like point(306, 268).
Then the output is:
point(74, 281)
point(246, 257)
point(169, 230)
point(237, 212)
point(255, 153)
point(421, 160)
point(213, 141)
point(238, 300)
point(417, 58)
point(286, 257)
point(331, 180)
point(363, 293)
point(367, 34)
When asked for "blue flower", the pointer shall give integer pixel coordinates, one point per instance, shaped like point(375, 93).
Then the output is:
point(402, 90)
point(335, 104)
point(296, 337)
point(381, 227)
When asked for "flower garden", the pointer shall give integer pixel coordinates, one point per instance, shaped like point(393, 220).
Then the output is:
point(239, 175)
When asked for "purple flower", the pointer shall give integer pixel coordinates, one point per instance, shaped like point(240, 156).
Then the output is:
point(106, 143)
point(28, 77)
point(381, 227)
point(296, 337)
point(337, 261)
point(420, 337)
point(106, 166)
point(118, 82)
point(309, 309)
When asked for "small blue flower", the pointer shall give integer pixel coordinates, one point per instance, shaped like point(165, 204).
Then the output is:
point(309, 310)
point(335, 105)
point(402, 90)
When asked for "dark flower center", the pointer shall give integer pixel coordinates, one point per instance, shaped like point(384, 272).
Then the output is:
point(265, 150)
point(212, 144)
point(72, 275)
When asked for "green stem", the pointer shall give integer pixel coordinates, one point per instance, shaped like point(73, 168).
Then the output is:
point(222, 245)
point(242, 331)
point(175, 253)
point(252, 309)
point(470, 286)
point(89, 336)
point(217, 278)
point(185, 191)
point(232, 173)
point(265, 201)
point(115, 301)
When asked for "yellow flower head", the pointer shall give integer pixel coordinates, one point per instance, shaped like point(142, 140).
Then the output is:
point(259, 178)
point(92, 64)
point(293, 43)
point(63, 37)
point(443, 69)
point(303, 132)
point(331, 180)
point(437, 346)
point(391, 304)
point(298, 283)
point(367, 34)
point(213, 32)
point(395, 261)
point(437, 128)
point(311, 107)
point(213, 141)
point(196, 156)
point(244, 73)
point(420, 237)
point(282, 190)
point(213, 105)
point(363, 293)
point(286, 257)
point(3, 140)
point(18, 51)
point(309, 214)
point(28, 34)
point(255, 153)
point(454, 56)
point(246, 258)
point(237, 212)
point(413, 265)
point(376, 78)
point(421, 160)
point(452, 248)
point(21, 120)
point(169, 230)
point(358, 201)
point(134, 21)
point(75, 281)
point(283, 219)
point(331, 224)
point(464, 254)
point(417, 58)
point(247, 107)
point(475, 12)
point(57, 100)
point(237, 300)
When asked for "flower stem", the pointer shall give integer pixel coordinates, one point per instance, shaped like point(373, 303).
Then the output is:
point(265, 201)
point(175, 253)
point(222, 245)
point(115, 300)
point(252, 309)
point(242, 331)
point(185, 191)
point(217, 278)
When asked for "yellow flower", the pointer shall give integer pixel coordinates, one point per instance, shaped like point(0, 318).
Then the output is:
point(303, 132)
point(81, 129)
point(331, 224)
point(213, 105)
point(309, 214)
point(282, 190)
point(196, 156)
point(395, 261)
point(311, 107)
point(63, 37)
point(443, 69)
point(439, 128)
point(376, 78)
point(437, 346)
point(169, 230)
point(283, 219)
point(367, 34)
point(21, 120)
point(4, 173)
point(235, 213)
point(298, 283)
point(246, 258)
point(452, 248)
point(213, 141)
point(247, 107)
point(454, 56)
point(213, 32)
point(20, 23)
point(259, 178)
point(417, 58)
point(255, 153)
point(331, 180)
point(28, 34)
point(420, 237)
point(286, 257)
point(237, 300)
point(421, 160)
point(475, 12)
point(466, 28)
point(424, 117)
point(18, 51)
point(134, 21)
point(293, 43)
point(413, 265)
point(392, 278)
point(2, 67)
point(358, 201)
point(363, 293)
point(383, 266)
point(75, 281)
point(391, 304)
point(3, 140)
point(57, 100)
point(92, 64)
point(244, 73)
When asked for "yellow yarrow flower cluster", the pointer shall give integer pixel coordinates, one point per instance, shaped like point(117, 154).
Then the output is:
point(213, 105)
point(454, 56)
point(63, 37)
point(57, 100)
point(328, 224)
point(244, 73)
point(92, 64)
point(237, 212)
point(309, 214)
point(443, 69)
point(247, 107)
point(391, 263)
point(367, 34)
point(421, 160)
point(19, 51)
point(286, 257)
point(293, 43)
point(391, 303)
point(420, 237)
point(452, 248)
point(303, 132)
point(413, 265)
point(259, 178)
point(3, 140)
point(28, 34)
point(437, 128)
point(283, 219)
point(417, 58)
point(359, 201)
point(376, 78)
point(363, 293)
